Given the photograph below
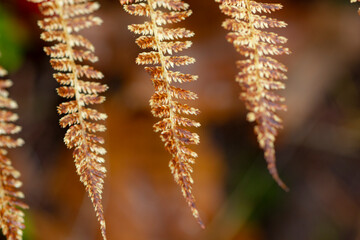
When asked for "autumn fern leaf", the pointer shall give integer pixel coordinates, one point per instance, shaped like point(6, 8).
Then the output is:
point(63, 19)
point(164, 103)
point(259, 74)
point(353, 1)
point(11, 215)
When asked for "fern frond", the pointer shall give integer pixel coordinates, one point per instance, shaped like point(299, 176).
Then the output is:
point(353, 1)
point(11, 215)
point(63, 19)
point(164, 103)
point(260, 74)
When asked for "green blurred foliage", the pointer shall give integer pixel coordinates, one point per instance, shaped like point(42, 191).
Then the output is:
point(28, 232)
point(12, 40)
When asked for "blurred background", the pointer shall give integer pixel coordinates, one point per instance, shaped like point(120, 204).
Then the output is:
point(317, 151)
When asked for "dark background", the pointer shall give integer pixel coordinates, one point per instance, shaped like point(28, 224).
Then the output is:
point(317, 151)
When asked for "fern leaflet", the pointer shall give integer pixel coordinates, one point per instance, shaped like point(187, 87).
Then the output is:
point(63, 19)
point(259, 74)
point(353, 1)
point(11, 215)
point(164, 103)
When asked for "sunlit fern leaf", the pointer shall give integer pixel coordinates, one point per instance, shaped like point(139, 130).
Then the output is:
point(356, 1)
point(63, 19)
point(11, 215)
point(164, 103)
point(260, 74)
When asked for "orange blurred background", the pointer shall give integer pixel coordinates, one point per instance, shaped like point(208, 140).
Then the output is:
point(317, 151)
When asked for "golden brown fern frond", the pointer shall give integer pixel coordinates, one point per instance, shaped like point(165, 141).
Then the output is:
point(63, 19)
point(11, 215)
point(164, 103)
point(260, 74)
point(353, 1)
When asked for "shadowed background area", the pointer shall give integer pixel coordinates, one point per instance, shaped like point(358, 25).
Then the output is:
point(317, 151)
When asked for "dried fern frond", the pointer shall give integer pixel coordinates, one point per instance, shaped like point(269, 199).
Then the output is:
point(11, 215)
point(352, 1)
point(164, 103)
point(63, 19)
point(259, 74)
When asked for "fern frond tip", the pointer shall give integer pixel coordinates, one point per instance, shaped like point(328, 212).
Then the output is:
point(271, 165)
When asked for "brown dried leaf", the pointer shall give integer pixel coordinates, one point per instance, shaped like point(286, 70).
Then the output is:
point(65, 17)
point(259, 74)
point(164, 101)
point(11, 207)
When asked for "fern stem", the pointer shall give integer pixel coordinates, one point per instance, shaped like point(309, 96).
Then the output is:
point(75, 80)
point(164, 69)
